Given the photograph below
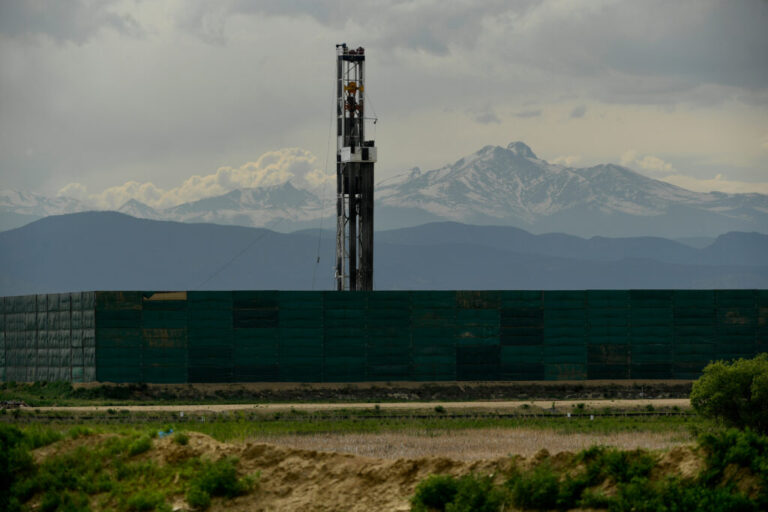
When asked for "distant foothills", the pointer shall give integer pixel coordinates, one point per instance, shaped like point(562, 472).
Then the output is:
point(498, 186)
point(114, 251)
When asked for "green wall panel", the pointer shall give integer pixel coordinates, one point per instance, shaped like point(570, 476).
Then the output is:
point(223, 336)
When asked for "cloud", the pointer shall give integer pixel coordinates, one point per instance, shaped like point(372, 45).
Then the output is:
point(578, 112)
point(717, 184)
point(484, 116)
point(567, 161)
point(664, 171)
point(524, 114)
point(72, 21)
point(421, 25)
point(272, 168)
point(75, 191)
point(649, 163)
point(764, 145)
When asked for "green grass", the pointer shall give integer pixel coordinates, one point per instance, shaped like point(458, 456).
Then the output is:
point(109, 473)
point(241, 425)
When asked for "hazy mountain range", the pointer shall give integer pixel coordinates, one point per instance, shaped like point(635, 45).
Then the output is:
point(495, 186)
point(108, 250)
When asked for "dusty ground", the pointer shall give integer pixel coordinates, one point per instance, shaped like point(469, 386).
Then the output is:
point(490, 406)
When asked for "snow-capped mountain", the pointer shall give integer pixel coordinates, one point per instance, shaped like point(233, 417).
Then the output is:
point(494, 186)
point(279, 207)
point(19, 208)
point(512, 186)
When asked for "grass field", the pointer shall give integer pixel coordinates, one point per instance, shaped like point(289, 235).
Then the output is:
point(110, 453)
point(344, 459)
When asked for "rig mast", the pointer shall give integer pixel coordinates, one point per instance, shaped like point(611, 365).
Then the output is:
point(355, 157)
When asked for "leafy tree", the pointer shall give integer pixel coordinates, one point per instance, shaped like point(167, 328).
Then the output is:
point(736, 393)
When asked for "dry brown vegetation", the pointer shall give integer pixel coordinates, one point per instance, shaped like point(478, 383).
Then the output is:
point(472, 445)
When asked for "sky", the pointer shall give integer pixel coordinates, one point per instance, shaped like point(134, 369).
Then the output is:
point(171, 101)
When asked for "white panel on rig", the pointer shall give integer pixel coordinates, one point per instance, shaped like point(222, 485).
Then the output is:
point(355, 157)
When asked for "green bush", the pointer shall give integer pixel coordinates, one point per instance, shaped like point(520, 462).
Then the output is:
point(144, 500)
point(470, 493)
point(181, 438)
point(435, 492)
point(735, 393)
point(140, 445)
point(734, 448)
point(538, 489)
point(15, 462)
point(64, 502)
point(217, 478)
point(477, 494)
point(37, 436)
point(198, 498)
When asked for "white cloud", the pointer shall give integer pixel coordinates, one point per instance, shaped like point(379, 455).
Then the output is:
point(649, 163)
point(717, 184)
point(664, 171)
point(567, 161)
point(272, 168)
point(74, 190)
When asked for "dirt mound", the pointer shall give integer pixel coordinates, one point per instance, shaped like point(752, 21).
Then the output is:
point(292, 479)
point(303, 479)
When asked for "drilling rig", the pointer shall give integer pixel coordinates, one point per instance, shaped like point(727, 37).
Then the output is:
point(355, 157)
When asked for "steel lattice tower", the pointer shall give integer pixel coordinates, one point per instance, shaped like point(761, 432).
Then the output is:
point(355, 157)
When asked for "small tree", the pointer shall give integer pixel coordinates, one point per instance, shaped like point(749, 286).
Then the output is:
point(736, 393)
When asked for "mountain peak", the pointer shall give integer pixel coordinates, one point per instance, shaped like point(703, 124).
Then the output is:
point(521, 149)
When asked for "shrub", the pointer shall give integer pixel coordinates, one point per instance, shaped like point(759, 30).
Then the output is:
point(64, 501)
point(439, 409)
point(79, 431)
point(140, 445)
point(537, 489)
point(435, 492)
point(217, 478)
point(37, 436)
point(198, 498)
point(734, 448)
point(181, 438)
point(15, 461)
point(735, 393)
point(470, 493)
point(147, 500)
point(477, 494)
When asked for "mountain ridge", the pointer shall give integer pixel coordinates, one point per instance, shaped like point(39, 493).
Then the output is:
point(110, 250)
point(493, 186)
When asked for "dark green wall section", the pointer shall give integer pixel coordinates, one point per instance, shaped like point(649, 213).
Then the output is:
point(242, 336)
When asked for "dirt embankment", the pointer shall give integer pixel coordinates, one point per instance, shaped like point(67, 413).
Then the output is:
point(293, 479)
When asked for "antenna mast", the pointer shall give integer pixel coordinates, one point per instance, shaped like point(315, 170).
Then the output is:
point(355, 157)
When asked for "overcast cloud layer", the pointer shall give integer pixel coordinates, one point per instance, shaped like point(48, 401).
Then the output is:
point(172, 101)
